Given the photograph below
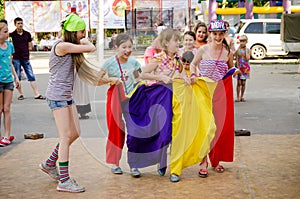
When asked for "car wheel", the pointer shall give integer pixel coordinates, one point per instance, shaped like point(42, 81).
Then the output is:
point(258, 52)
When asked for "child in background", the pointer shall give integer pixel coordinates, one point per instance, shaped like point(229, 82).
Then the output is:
point(187, 58)
point(201, 34)
point(242, 63)
point(125, 69)
point(189, 39)
point(7, 72)
point(152, 50)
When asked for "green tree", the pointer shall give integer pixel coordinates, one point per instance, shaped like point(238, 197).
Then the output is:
point(1, 9)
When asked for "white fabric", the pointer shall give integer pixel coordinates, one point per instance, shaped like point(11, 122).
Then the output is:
point(80, 91)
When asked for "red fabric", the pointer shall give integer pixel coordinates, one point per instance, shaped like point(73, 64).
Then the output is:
point(115, 124)
point(223, 109)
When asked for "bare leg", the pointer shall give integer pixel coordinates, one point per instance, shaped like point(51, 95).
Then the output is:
point(20, 89)
point(33, 85)
point(238, 90)
point(7, 115)
point(1, 110)
point(243, 89)
point(67, 123)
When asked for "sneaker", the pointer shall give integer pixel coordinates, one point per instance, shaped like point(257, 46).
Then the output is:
point(11, 138)
point(116, 170)
point(51, 171)
point(135, 172)
point(162, 171)
point(70, 186)
point(174, 178)
point(4, 141)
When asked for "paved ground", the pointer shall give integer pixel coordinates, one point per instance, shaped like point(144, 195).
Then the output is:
point(266, 163)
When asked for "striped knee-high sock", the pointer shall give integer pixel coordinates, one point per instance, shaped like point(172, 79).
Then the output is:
point(63, 171)
point(51, 161)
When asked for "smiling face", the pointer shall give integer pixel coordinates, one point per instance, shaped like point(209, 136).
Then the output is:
point(124, 50)
point(201, 34)
point(188, 42)
point(217, 37)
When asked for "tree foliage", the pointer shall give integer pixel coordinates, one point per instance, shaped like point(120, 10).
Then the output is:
point(1, 9)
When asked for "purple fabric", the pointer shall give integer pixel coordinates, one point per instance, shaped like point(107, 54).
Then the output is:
point(229, 72)
point(148, 116)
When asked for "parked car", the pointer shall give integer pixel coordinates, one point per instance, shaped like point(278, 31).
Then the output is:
point(290, 33)
point(263, 37)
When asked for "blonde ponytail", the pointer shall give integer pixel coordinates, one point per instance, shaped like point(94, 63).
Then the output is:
point(91, 74)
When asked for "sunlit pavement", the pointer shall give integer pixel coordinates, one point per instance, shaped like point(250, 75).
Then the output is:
point(266, 163)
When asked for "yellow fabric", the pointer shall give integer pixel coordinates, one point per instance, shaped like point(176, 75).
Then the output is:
point(193, 124)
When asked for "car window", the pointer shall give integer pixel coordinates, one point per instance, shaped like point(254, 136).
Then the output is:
point(255, 27)
point(273, 28)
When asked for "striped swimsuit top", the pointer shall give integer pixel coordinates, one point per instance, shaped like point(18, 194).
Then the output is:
point(213, 69)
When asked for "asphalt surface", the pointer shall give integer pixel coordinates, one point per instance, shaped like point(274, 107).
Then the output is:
point(271, 107)
point(266, 164)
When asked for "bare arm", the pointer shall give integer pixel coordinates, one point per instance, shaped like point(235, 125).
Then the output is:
point(230, 60)
point(148, 75)
point(17, 81)
point(112, 80)
point(30, 46)
point(248, 53)
point(64, 48)
point(195, 63)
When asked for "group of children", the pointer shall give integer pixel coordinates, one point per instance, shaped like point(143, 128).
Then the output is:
point(206, 68)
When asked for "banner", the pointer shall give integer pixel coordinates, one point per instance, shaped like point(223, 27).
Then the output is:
point(21, 9)
point(114, 13)
point(146, 4)
point(78, 6)
point(46, 16)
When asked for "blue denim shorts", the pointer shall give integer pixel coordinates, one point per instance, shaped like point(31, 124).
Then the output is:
point(27, 69)
point(6, 86)
point(53, 104)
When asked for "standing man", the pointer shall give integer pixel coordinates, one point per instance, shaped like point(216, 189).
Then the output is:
point(23, 43)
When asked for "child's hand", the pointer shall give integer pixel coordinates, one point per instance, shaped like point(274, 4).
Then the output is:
point(17, 82)
point(115, 80)
point(166, 79)
point(193, 78)
point(187, 80)
point(237, 72)
point(84, 41)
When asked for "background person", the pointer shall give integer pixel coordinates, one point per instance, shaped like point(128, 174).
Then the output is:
point(22, 42)
point(7, 73)
point(242, 62)
point(201, 34)
point(81, 98)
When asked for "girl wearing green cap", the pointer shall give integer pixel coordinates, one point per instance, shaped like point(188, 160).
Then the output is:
point(66, 55)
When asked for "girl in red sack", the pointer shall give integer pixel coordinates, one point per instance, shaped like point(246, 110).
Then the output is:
point(126, 70)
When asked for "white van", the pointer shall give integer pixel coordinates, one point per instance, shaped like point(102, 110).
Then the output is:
point(263, 37)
